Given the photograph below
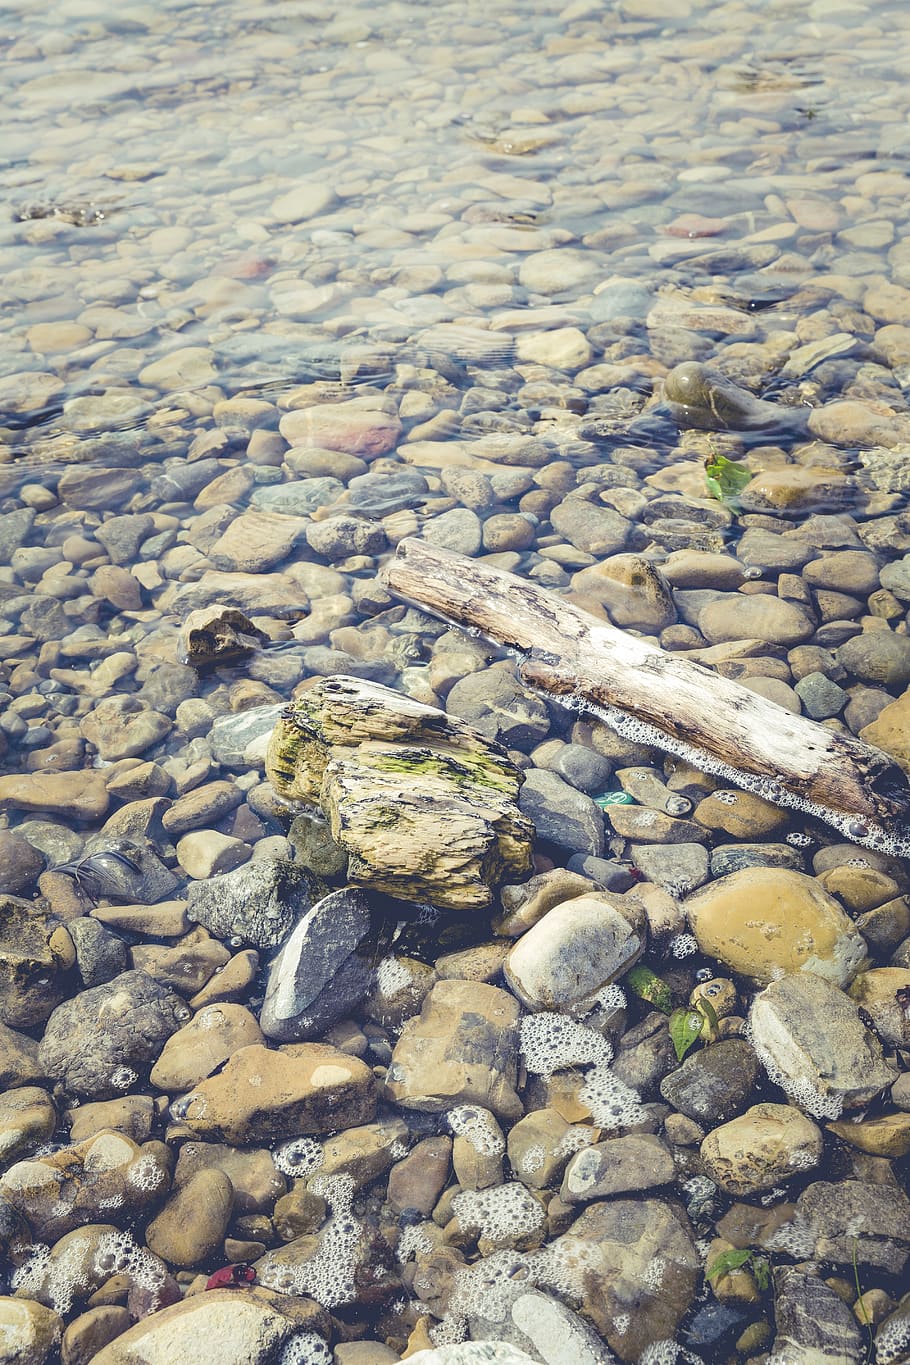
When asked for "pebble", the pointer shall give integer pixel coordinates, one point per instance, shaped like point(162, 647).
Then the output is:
point(764, 1147)
point(569, 956)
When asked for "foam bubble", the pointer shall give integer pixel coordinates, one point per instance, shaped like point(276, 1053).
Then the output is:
point(503, 1213)
point(479, 1127)
point(683, 945)
point(392, 976)
point(413, 1242)
point(612, 1103)
point(553, 1042)
point(305, 1348)
point(299, 1157)
point(329, 1275)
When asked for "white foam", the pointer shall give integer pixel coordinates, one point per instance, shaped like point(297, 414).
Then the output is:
point(554, 1042)
point(503, 1213)
point(479, 1127)
point(298, 1158)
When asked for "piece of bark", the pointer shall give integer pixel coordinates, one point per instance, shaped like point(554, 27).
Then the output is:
point(662, 699)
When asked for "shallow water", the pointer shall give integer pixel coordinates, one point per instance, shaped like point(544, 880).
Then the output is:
point(499, 227)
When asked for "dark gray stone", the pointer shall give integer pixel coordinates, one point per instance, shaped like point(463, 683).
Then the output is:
point(678, 868)
point(561, 814)
point(258, 903)
point(821, 697)
point(734, 857)
point(496, 704)
point(714, 1084)
point(100, 954)
point(323, 971)
point(102, 1043)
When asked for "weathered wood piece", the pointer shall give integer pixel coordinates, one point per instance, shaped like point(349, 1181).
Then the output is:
point(662, 699)
point(425, 807)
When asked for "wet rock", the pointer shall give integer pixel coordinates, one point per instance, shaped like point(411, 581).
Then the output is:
point(615, 1245)
point(28, 1330)
point(494, 703)
point(251, 1170)
point(850, 1222)
point(121, 727)
point(27, 1119)
point(880, 657)
point(812, 1042)
point(621, 1165)
point(76, 795)
point(211, 1037)
point(266, 1096)
point(104, 1040)
point(322, 972)
point(216, 1328)
point(217, 634)
point(463, 1049)
point(633, 591)
point(100, 954)
point(89, 1333)
point(134, 1116)
point(349, 426)
point(765, 1147)
point(474, 1353)
point(705, 398)
point(20, 864)
point(572, 954)
point(18, 1058)
point(192, 1224)
point(813, 1322)
point(678, 868)
point(389, 772)
point(884, 994)
point(35, 955)
point(76, 1185)
point(594, 529)
point(560, 813)
point(257, 903)
point(714, 1084)
point(766, 920)
point(739, 814)
point(738, 616)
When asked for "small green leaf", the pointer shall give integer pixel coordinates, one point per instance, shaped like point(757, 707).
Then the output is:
point(727, 1261)
point(685, 1027)
point(647, 985)
point(726, 479)
point(709, 1015)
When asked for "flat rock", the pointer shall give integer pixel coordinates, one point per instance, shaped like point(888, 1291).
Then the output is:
point(561, 814)
point(714, 1083)
point(622, 1165)
point(266, 1096)
point(763, 921)
point(814, 1325)
point(79, 795)
point(618, 1244)
point(812, 1042)
point(220, 1327)
point(462, 1049)
point(211, 1037)
point(191, 1226)
point(850, 1222)
point(29, 1331)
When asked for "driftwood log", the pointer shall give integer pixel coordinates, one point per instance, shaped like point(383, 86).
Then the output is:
point(663, 699)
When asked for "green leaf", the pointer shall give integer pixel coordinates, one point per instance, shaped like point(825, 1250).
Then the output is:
point(685, 1027)
point(726, 479)
point(727, 1261)
point(709, 1014)
point(647, 985)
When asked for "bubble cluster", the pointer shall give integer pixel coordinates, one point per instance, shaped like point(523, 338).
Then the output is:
point(553, 1042)
point(328, 1276)
point(683, 945)
point(299, 1157)
point(667, 1353)
point(502, 1213)
point(305, 1348)
point(611, 997)
point(146, 1174)
point(612, 1103)
point(892, 1341)
point(479, 1127)
point(122, 1077)
point(414, 1241)
point(574, 1139)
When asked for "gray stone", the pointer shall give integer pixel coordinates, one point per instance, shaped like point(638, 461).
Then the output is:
point(567, 957)
point(494, 702)
point(678, 868)
point(879, 657)
point(100, 953)
point(621, 1165)
point(342, 536)
point(734, 857)
point(103, 1041)
point(20, 864)
point(821, 697)
point(300, 497)
point(812, 1042)
point(322, 973)
point(257, 904)
point(814, 1325)
point(850, 1222)
point(561, 814)
point(459, 530)
point(230, 736)
point(376, 494)
point(714, 1084)
point(122, 536)
point(14, 531)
